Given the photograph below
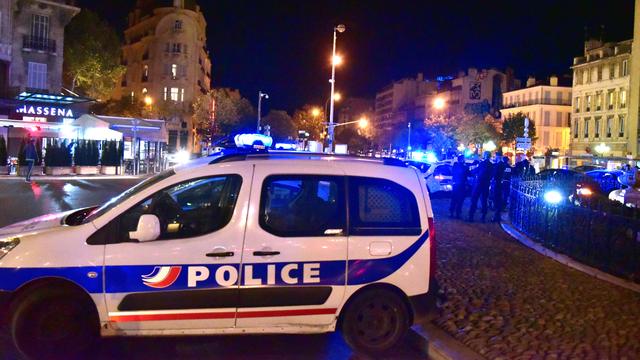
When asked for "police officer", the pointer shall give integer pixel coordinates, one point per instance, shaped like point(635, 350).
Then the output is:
point(499, 175)
point(483, 173)
point(523, 168)
point(459, 173)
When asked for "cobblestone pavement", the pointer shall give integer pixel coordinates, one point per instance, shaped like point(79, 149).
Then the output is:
point(507, 301)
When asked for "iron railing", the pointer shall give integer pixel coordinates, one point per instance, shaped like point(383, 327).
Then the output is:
point(39, 43)
point(600, 233)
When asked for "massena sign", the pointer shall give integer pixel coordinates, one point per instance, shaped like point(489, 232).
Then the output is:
point(45, 111)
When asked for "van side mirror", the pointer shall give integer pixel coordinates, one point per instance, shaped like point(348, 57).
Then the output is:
point(148, 228)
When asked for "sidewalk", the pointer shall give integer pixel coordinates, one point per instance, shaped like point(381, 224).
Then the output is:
point(506, 301)
point(71, 177)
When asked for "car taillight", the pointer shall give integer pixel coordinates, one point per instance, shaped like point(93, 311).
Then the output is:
point(432, 251)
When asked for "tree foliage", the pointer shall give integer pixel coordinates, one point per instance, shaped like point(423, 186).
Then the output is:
point(3, 152)
point(513, 127)
point(282, 126)
point(476, 130)
point(310, 119)
point(125, 106)
point(232, 112)
point(92, 56)
point(202, 115)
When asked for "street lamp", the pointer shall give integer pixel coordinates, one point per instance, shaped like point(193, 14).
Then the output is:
point(338, 29)
point(439, 103)
point(363, 122)
point(315, 112)
point(260, 96)
point(602, 149)
point(409, 139)
point(148, 100)
point(489, 146)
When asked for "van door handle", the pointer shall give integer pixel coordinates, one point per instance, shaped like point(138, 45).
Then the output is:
point(220, 254)
point(266, 253)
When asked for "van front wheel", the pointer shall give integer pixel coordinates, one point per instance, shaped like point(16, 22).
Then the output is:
point(375, 321)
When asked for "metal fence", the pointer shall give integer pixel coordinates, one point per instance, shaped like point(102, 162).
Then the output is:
point(599, 233)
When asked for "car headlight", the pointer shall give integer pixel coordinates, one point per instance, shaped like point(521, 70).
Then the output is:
point(7, 245)
point(584, 192)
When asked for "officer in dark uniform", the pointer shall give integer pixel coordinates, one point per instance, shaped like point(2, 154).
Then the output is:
point(459, 173)
point(499, 174)
point(483, 174)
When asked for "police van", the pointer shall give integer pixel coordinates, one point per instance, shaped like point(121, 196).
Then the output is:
point(235, 243)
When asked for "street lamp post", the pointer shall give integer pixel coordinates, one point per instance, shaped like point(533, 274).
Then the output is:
point(409, 139)
point(340, 28)
point(260, 96)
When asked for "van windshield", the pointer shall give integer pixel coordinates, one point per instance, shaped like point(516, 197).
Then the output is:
point(145, 184)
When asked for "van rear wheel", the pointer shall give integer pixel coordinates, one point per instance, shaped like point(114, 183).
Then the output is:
point(53, 324)
point(375, 321)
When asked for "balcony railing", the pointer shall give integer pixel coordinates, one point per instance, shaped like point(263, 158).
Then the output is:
point(38, 43)
point(538, 102)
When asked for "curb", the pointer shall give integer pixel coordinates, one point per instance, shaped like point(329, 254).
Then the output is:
point(435, 343)
point(564, 259)
point(70, 177)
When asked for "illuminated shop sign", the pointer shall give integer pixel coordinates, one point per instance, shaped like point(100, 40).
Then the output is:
point(45, 111)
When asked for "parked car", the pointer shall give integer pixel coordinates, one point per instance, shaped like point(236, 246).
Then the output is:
point(570, 185)
point(585, 168)
point(422, 166)
point(439, 177)
point(233, 243)
point(607, 179)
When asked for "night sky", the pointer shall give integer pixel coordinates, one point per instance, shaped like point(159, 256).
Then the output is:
point(283, 47)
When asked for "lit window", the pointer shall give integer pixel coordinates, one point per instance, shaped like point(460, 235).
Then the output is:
point(165, 94)
point(623, 98)
point(625, 67)
point(182, 94)
point(586, 128)
point(174, 71)
point(177, 25)
point(174, 94)
point(621, 122)
point(144, 91)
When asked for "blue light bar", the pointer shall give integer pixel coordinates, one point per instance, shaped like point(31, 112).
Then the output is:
point(251, 140)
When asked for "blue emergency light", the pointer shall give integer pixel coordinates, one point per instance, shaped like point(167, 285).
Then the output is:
point(253, 141)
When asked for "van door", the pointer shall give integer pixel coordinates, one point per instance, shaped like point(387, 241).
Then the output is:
point(187, 278)
point(295, 251)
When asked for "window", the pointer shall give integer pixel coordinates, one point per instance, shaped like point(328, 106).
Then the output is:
point(188, 209)
point(172, 142)
point(547, 118)
point(165, 94)
point(588, 103)
point(558, 119)
point(612, 71)
point(181, 94)
point(625, 67)
point(559, 97)
point(623, 98)
point(382, 207)
point(547, 97)
point(144, 91)
point(586, 128)
point(184, 137)
point(145, 72)
point(610, 99)
point(177, 25)
point(40, 29)
point(174, 71)
point(598, 101)
point(37, 75)
point(575, 129)
point(545, 138)
point(621, 125)
point(588, 71)
point(609, 125)
point(597, 127)
point(599, 73)
point(303, 205)
point(576, 104)
point(174, 94)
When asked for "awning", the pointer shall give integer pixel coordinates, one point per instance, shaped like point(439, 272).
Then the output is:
point(143, 129)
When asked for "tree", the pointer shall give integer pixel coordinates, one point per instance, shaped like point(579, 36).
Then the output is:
point(513, 127)
point(3, 152)
point(125, 106)
point(92, 56)
point(203, 116)
point(473, 129)
point(310, 119)
point(282, 126)
point(232, 112)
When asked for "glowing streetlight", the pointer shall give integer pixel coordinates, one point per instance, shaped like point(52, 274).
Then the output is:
point(338, 29)
point(461, 147)
point(363, 122)
point(315, 112)
point(602, 149)
point(337, 96)
point(439, 103)
point(337, 60)
point(148, 100)
point(489, 146)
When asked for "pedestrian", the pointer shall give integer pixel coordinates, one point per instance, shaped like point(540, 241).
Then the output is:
point(483, 174)
point(523, 168)
point(460, 173)
point(31, 156)
point(499, 171)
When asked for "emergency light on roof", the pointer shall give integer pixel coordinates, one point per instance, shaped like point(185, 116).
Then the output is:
point(253, 140)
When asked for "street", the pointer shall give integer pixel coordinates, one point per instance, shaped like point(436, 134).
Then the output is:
point(20, 201)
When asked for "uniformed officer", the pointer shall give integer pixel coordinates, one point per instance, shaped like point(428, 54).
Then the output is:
point(523, 168)
point(483, 174)
point(499, 175)
point(460, 173)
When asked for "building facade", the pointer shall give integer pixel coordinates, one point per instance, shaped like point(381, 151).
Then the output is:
point(600, 105)
point(353, 109)
point(476, 92)
point(167, 64)
point(548, 106)
point(32, 45)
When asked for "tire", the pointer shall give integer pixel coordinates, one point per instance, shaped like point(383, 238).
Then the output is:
point(375, 321)
point(53, 323)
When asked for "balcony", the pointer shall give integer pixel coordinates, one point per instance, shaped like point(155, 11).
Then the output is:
point(38, 44)
point(554, 101)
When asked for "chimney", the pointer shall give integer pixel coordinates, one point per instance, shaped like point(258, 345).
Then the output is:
point(553, 80)
point(531, 81)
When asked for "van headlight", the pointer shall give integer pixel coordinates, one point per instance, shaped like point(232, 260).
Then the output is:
point(7, 245)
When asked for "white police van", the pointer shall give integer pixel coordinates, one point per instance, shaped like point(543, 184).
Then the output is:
point(235, 243)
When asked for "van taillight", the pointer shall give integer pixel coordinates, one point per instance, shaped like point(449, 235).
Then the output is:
point(432, 251)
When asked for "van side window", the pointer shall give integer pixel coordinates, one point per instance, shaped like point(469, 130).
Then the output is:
point(382, 207)
point(188, 209)
point(303, 205)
